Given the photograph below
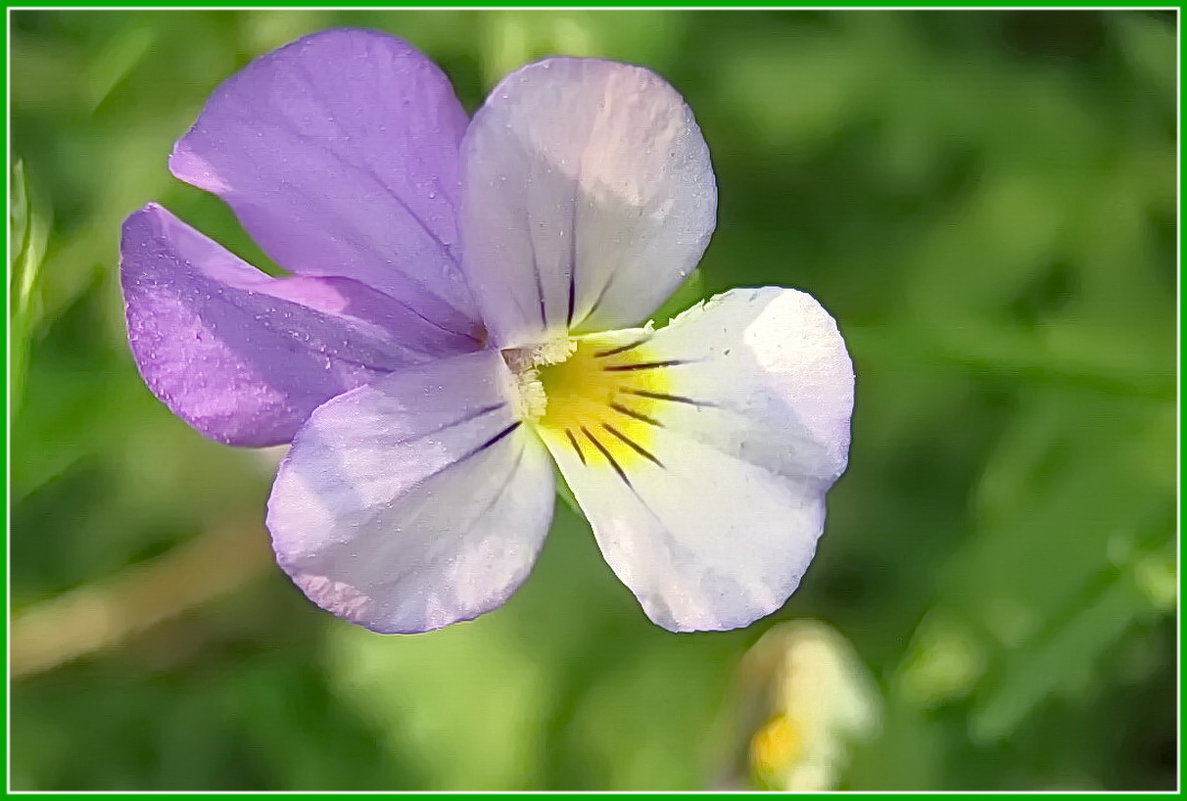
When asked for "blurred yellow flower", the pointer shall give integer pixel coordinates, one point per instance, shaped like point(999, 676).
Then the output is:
point(804, 697)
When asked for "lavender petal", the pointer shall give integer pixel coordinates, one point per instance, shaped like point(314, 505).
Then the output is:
point(338, 153)
point(243, 357)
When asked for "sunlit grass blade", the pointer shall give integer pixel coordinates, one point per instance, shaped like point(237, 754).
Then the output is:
point(29, 225)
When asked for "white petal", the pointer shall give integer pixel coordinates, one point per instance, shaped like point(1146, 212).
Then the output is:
point(739, 417)
point(587, 197)
point(416, 501)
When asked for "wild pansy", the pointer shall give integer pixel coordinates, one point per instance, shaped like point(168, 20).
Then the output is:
point(466, 309)
point(803, 699)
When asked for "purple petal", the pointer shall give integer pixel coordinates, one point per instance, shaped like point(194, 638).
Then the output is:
point(587, 197)
point(414, 502)
point(243, 357)
point(339, 153)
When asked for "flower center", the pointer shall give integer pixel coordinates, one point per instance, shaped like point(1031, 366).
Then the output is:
point(774, 747)
point(600, 400)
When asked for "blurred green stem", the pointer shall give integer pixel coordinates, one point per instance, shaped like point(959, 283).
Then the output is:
point(110, 611)
point(1001, 350)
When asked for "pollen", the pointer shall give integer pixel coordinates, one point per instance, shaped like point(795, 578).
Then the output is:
point(533, 402)
point(525, 364)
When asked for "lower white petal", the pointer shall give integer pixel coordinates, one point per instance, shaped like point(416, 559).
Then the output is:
point(702, 453)
point(416, 501)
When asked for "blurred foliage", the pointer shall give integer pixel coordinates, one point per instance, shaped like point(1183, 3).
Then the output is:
point(985, 201)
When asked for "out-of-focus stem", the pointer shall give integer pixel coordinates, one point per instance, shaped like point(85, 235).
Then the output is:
point(110, 611)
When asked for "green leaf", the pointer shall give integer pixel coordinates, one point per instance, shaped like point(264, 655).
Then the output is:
point(1073, 508)
point(467, 704)
point(690, 292)
point(29, 226)
point(1070, 647)
point(566, 495)
point(120, 55)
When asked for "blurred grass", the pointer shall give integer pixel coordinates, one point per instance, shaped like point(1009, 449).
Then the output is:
point(985, 201)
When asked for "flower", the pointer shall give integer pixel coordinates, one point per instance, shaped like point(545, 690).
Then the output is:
point(466, 309)
point(804, 698)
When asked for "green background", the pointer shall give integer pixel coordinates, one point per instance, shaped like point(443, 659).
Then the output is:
point(985, 202)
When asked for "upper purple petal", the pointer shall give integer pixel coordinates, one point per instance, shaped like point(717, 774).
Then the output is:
point(339, 155)
point(245, 358)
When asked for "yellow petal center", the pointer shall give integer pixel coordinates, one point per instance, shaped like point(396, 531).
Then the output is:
point(774, 747)
point(604, 402)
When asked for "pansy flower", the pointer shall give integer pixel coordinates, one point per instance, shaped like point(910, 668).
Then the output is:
point(468, 310)
point(803, 697)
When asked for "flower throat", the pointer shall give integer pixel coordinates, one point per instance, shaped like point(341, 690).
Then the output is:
point(597, 396)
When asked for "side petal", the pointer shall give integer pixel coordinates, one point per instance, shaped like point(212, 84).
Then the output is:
point(704, 469)
point(338, 153)
point(414, 502)
point(587, 197)
point(243, 357)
